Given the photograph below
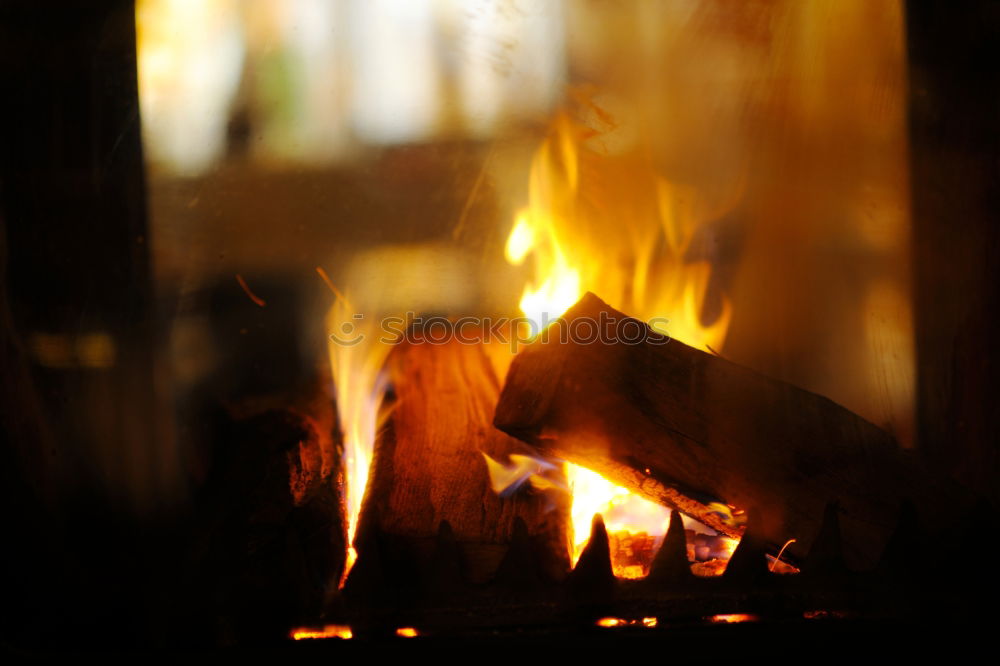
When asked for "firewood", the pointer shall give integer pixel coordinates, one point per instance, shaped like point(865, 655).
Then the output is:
point(267, 543)
point(679, 425)
point(429, 465)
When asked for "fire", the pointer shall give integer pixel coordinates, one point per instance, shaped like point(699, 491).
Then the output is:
point(520, 241)
point(357, 357)
point(505, 479)
point(623, 512)
point(608, 223)
point(560, 288)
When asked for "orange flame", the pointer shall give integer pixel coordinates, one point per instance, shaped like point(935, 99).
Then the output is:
point(622, 510)
point(357, 356)
point(611, 225)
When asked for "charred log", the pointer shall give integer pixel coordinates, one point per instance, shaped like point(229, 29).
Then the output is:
point(268, 542)
point(677, 424)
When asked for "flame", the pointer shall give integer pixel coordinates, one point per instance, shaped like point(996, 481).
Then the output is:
point(520, 241)
point(357, 356)
point(505, 479)
point(622, 510)
point(608, 223)
point(559, 289)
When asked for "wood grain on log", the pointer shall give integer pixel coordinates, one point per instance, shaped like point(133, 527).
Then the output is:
point(429, 465)
point(677, 424)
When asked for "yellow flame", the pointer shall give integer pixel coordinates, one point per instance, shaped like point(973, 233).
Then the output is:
point(520, 242)
point(357, 356)
point(560, 286)
point(611, 225)
point(622, 510)
point(521, 468)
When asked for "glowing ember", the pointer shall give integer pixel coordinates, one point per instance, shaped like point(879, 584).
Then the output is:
point(824, 615)
point(732, 618)
point(709, 568)
point(611, 225)
point(610, 622)
point(407, 632)
point(329, 631)
point(710, 553)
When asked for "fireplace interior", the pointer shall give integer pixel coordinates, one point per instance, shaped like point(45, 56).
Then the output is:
point(336, 326)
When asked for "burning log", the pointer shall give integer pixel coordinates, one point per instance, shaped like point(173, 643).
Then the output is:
point(677, 424)
point(429, 463)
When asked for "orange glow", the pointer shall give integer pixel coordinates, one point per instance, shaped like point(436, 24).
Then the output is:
point(329, 631)
point(824, 614)
point(730, 547)
point(781, 567)
point(610, 224)
point(773, 566)
point(407, 632)
point(257, 300)
point(732, 618)
point(610, 622)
